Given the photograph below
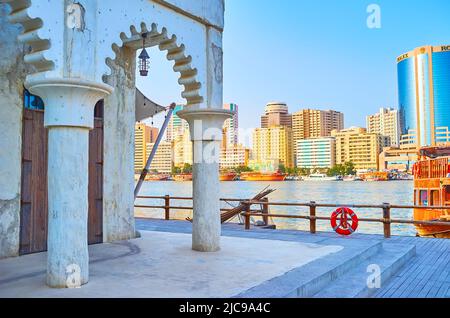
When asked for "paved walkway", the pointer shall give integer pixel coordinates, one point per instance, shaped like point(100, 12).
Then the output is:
point(427, 275)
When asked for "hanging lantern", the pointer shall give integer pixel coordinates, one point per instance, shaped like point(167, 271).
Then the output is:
point(144, 58)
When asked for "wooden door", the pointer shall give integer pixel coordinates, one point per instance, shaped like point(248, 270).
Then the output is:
point(95, 216)
point(34, 208)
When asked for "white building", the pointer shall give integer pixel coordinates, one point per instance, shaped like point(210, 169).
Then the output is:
point(233, 157)
point(386, 123)
point(81, 52)
point(317, 153)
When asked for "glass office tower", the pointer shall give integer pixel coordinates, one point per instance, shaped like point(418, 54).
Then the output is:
point(424, 96)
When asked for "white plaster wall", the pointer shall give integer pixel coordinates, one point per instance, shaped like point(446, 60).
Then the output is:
point(68, 53)
point(210, 11)
point(188, 32)
point(12, 74)
point(118, 150)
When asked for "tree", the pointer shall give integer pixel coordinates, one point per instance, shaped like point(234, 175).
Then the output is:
point(349, 168)
point(282, 168)
point(187, 168)
point(241, 169)
point(176, 170)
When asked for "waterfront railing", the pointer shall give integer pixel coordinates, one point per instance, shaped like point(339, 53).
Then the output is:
point(263, 212)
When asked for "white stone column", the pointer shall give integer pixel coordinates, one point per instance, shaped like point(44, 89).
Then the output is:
point(69, 115)
point(206, 133)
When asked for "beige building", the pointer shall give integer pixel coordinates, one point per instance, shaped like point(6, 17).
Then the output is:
point(401, 159)
point(274, 143)
point(233, 157)
point(360, 147)
point(162, 161)
point(312, 123)
point(276, 114)
point(143, 135)
point(386, 122)
point(182, 149)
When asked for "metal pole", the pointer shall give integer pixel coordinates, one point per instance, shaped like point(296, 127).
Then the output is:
point(155, 147)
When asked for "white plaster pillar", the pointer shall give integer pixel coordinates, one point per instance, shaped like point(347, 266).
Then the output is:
point(206, 133)
point(69, 115)
point(205, 125)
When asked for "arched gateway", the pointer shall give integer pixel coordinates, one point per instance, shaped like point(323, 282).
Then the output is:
point(78, 52)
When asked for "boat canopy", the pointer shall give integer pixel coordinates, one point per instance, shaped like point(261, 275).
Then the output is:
point(435, 152)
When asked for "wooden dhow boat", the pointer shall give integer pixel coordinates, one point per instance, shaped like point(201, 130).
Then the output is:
point(432, 188)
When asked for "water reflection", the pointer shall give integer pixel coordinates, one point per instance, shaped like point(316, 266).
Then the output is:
point(395, 192)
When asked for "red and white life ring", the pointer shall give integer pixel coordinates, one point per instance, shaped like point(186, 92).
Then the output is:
point(340, 221)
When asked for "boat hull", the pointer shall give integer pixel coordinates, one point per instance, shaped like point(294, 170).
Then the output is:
point(182, 177)
point(262, 177)
point(228, 177)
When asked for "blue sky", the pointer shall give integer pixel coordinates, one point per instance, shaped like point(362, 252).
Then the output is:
point(313, 54)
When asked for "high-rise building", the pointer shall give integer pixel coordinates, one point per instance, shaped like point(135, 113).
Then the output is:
point(176, 126)
point(276, 114)
point(274, 143)
point(162, 161)
point(233, 157)
point(385, 122)
point(231, 126)
point(178, 134)
point(143, 135)
point(360, 147)
point(316, 153)
point(424, 96)
point(312, 123)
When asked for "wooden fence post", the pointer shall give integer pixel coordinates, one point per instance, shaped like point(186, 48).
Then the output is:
point(167, 207)
point(312, 215)
point(387, 220)
point(247, 216)
point(265, 210)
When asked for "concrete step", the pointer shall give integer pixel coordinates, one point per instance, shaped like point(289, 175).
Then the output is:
point(311, 278)
point(353, 284)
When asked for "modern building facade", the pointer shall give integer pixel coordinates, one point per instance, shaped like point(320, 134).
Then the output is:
point(386, 122)
point(312, 123)
point(231, 125)
point(274, 143)
point(143, 135)
point(316, 153)
point(424, 96)
point(276, 114)
point(233, 157)
point(162, 161)
point(360, 147)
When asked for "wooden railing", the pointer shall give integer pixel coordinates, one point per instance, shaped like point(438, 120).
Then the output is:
point(385, 208)
point(433, 168)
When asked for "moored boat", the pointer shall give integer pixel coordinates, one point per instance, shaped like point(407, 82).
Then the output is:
point(157, 177)
point(375, 176)
point(322, 177)
point(432, 188)
point(262, 176)
point(228, 176)
point(182, 177)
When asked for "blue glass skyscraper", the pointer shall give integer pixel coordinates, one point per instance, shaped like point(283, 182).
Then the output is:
point(424, 96)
